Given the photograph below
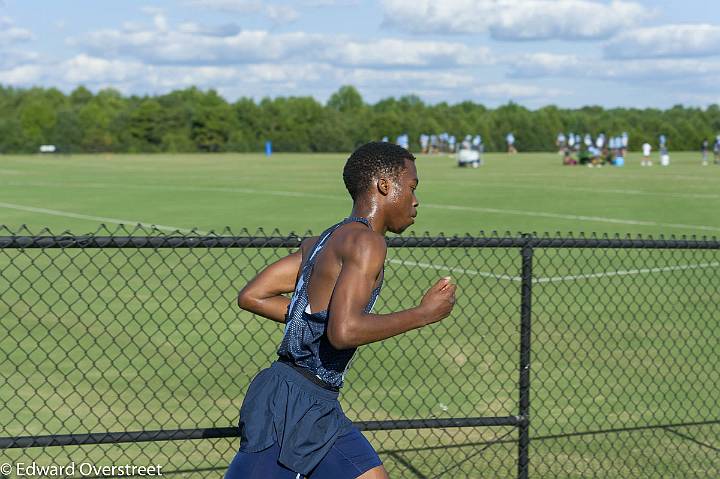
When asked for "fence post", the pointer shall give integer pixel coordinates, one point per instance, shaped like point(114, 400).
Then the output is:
point(525, 313)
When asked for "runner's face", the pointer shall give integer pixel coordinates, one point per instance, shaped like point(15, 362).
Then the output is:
point(403, 198)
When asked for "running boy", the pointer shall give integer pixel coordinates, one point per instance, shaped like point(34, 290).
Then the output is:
point(291, 423)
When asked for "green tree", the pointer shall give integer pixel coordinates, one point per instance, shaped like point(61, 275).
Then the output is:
point(346, 100)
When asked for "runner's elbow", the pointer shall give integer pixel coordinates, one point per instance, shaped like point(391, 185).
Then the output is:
point(340, 336)
point(245, 300)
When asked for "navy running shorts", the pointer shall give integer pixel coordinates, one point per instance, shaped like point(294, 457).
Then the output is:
point(350, 456)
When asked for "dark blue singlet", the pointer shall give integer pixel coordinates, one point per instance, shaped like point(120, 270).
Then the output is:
point(305, 343)
point(291, 423)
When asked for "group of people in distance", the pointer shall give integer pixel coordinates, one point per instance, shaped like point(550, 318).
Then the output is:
point(583, 150)
point(647, 150)
point(704, 148)
point(575, 149)
point(469, 150)
point(441, 143)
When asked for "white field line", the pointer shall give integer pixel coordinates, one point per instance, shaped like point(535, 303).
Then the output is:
point(625, 176)
point(604, 274)
point(212, 189)
point(579, 189)
point(103, 219)
point(554, 279)
point(596, 219)
point(455, 269)
point(473, 272)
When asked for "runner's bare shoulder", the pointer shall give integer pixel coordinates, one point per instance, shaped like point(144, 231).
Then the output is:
point(363, 246)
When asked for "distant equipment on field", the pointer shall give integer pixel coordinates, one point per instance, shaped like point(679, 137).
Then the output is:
point(470, 152)
point(48, 148)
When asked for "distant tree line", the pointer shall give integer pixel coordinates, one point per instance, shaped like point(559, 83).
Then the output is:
point(193, 120)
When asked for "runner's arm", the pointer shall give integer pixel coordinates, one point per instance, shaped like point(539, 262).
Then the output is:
point(348, 325)
point(263, 295)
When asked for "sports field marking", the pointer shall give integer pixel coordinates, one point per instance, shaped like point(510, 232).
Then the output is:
point(116, 221)
point(153, 187)
point(454, 269)
point(578, 189)
point(599, 219)
point(625, 176)
point(603, 274)
point(221, 189)
point(298, 194)
point(554, 279)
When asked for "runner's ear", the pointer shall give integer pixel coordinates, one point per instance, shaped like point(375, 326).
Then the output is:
point(383, 186)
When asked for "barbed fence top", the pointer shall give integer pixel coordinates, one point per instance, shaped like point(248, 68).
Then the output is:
point(143, 236)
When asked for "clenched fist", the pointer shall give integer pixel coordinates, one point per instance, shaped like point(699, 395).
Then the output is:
point(438, 301)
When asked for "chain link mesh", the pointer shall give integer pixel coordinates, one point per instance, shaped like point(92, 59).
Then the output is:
point(145, 335)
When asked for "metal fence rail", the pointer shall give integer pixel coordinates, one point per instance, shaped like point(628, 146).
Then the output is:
point(127, 346)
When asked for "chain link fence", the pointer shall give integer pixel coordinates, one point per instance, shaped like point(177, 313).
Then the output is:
point(126, 346)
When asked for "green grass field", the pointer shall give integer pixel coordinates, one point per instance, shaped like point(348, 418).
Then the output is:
point(113, 340)
point(526, 192)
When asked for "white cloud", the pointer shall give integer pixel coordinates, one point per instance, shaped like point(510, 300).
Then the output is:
point(190, 47)
point(685, 74)
point(277, 13)
point(10, 34)
point(514, 20)
point(131, 76)
point(230, 6)
point(84, 69)
point(404, 53)
point(327, 3)
point(533, 65)
point(14, 58)
point(23, 75)
point(666, 41)
point(515, 91)
point(225, 30)
point(443, 80)
point(192, 44)
point(281, 13)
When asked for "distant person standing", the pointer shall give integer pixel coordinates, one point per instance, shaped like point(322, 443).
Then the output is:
point(617, 157)
point(510, 139)
point(560, 142)
point(433, 144)
point(664, 155)
point(403, 141)
point(646, 149)
point(716, 150)
point(477, 145)
point(600, 141)
point(451, 143)
point(624, 142)
point(424, 140)
point(704, 147)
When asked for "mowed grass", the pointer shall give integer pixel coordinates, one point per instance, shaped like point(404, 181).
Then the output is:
point(525, 192)
point(126, 340)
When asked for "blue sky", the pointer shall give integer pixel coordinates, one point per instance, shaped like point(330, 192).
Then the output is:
point(534, 52)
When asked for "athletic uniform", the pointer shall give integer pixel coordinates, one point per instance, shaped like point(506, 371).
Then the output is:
point(291, 423)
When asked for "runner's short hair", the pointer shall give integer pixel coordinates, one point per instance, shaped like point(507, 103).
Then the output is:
point(370, 161)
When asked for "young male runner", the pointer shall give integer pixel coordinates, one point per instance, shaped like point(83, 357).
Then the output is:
point(291, 423)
